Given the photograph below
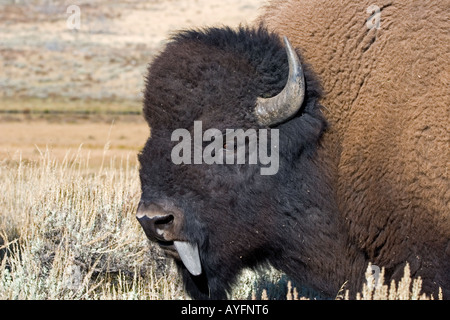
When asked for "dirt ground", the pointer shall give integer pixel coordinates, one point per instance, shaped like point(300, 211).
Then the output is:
point(28, 140)
point(102, 62)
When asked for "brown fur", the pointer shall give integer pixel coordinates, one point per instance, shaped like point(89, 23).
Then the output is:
point(387, 101)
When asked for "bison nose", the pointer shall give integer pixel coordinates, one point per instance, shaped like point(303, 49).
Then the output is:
point(158, 224)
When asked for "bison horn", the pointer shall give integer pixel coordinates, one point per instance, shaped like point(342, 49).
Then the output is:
point(271, 111)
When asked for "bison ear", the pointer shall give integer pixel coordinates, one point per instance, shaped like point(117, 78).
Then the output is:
point(272, 111)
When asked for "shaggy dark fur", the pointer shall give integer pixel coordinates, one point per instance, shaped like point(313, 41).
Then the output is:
point(238, 217)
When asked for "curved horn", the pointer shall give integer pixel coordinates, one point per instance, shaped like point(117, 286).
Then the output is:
point(277, 109)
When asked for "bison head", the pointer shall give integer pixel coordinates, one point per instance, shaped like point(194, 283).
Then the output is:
point(216, 219)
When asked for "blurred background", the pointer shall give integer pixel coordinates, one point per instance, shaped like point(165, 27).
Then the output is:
point(72, 72)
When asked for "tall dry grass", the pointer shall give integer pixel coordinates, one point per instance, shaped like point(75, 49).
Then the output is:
point(68, 231)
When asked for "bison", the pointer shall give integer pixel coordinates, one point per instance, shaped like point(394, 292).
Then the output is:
point(362, 115)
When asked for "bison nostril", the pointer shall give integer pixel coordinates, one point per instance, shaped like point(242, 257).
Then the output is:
point(161, 221)
point(156, 227)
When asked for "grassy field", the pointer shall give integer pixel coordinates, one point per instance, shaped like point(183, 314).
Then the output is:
point(69, 232)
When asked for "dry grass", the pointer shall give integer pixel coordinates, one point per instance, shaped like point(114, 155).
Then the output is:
point(68, 231)
point(406, 289)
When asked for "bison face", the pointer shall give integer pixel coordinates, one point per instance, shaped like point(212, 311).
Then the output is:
point(215, 219)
